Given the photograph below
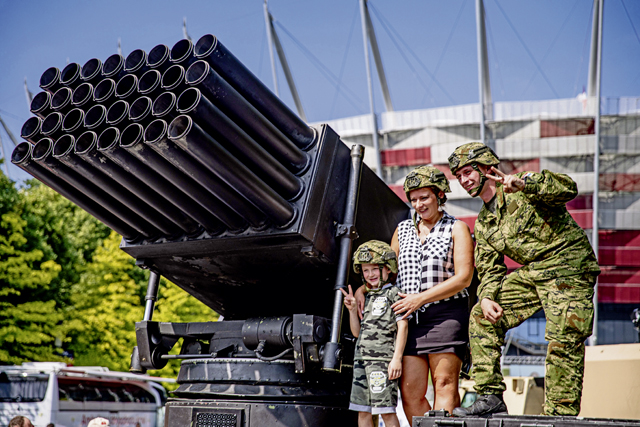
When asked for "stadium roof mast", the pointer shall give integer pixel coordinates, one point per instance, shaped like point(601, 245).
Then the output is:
point(484, 80)
point(595, 82)
point(369, 38)
point(13, 139)
point(274, 40)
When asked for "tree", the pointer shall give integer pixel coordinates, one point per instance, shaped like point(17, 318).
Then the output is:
point(30, 327)
point(64, 233)
point(107, 300)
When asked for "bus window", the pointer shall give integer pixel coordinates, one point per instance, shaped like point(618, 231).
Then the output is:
point(22, 387)
point(87, 390)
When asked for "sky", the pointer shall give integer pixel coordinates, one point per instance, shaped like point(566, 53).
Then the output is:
point(537, 49)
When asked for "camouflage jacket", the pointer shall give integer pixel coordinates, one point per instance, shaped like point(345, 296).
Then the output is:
point(378, 326)
point(534, 228)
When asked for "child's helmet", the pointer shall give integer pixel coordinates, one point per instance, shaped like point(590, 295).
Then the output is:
point(470, 153)
point(427, 176)
point(375, 252)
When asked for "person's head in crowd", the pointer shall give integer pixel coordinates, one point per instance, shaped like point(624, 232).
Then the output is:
point(98, 422)
point(20, 421)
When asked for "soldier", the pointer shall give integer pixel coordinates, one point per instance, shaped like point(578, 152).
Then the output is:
point(525, 218)
point(381, 336)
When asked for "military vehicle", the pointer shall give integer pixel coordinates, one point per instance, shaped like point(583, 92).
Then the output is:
point(216, 185)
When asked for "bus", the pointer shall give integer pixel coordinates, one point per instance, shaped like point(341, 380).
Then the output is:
point(71, 396)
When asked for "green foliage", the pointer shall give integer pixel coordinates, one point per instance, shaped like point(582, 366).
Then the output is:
point(107, 304)
point(63, 232)
point(30, 321)
point(66, 285)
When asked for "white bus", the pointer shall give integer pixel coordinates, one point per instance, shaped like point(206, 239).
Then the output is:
point(68, 396)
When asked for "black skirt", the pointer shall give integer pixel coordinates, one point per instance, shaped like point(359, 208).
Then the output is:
point(440, 328)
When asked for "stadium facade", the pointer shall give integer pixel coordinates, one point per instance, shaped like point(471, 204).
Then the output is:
point(558, 135)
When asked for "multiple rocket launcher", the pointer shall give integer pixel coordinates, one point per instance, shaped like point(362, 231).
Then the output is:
point(218, 186)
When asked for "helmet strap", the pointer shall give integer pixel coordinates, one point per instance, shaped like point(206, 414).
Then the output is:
point(382, 280)
point(475, 191)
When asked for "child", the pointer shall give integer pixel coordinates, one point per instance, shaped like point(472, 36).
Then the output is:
point(378, 359)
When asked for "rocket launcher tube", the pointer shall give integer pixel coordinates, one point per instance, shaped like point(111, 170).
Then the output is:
point(104, 92)
point(132, 139)
point(83, 96)
point(253, 90)
point(181, 209)
point(127, 88)
point(70, 75)
point(209, 117)
point(42, 155)
point(50, 80)
point(173, 79)
point(136, 62)
point(21, 157)
point(191, 138)
point(61, 100)
point(155, 136)
point(63, 152)
point(158, 58)
point(52, 126)
point(165, 106)
point(91, 71)
point(41, 104)
point(73, 121)
point(86, 148)
point(182, 53)
point(150, 84)
point(32, 129)
point(200, 75)
point(113, 67)
point(140, 110)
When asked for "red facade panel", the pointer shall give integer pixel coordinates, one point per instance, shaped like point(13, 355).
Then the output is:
point(570, 127)
point(620, 182)
point(406, 157)
point(612, 275)
point(619, 256)
point(629, 238)
point(619, 294)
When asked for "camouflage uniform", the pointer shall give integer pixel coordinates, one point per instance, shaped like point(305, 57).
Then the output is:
point(372, 391)
point(534, 228)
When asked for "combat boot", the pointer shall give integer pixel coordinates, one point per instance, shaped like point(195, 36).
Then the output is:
point(485, 405)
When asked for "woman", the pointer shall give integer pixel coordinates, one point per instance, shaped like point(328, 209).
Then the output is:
point(435, 256)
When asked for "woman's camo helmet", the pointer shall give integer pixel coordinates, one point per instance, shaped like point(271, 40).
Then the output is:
point(472, 152)
point(427, 176)
point(375, 252)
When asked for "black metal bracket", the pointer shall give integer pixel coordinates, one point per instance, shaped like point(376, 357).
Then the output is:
point(347, 229)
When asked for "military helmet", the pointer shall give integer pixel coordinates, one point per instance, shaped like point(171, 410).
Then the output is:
point(426, 176)
point(472, 152)
point(375, 252)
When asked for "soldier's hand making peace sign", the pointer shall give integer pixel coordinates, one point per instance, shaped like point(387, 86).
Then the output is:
point(512, 184)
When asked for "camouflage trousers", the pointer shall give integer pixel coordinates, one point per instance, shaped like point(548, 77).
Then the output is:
point(568, 306)
point(372, 390)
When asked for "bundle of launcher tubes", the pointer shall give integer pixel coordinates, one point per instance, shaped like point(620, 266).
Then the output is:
point(175, 144)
